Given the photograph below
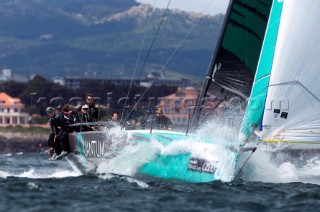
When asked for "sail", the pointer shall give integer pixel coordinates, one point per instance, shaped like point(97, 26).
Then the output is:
point(291, 112)
point(235, 59)
point(256, 103)
point(238, 54)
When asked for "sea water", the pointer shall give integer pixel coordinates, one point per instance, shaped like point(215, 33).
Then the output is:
point(29, 182)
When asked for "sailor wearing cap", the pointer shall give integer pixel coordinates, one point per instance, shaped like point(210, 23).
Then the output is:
point(93, 111)
point(83, 117)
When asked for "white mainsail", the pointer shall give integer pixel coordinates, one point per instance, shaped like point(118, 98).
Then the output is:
point(291, 114)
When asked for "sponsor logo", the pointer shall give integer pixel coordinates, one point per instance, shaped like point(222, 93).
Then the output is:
point(94, 149)
point(284, 115)
point(266, 126)
point(201, 165)
point(208, 167)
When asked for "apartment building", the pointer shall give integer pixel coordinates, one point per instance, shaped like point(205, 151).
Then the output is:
point(179, 105)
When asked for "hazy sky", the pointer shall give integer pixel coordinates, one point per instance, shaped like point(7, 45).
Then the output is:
point(201, 6)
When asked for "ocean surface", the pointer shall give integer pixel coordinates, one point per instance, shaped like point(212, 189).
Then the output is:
point(29, 182)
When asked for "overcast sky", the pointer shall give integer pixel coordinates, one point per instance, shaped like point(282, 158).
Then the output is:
point(211, 7)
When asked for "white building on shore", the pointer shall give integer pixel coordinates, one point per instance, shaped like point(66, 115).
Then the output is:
point(11, 111)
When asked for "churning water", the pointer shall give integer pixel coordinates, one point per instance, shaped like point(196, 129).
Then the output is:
point(29, 182)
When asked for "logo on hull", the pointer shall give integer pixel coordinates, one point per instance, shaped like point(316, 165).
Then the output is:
point(94, 149)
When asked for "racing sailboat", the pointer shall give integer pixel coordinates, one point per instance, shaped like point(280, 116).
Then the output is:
point(193, 157)
point(284, 104)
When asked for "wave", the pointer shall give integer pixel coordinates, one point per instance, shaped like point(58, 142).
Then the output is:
point(263, 167)
point(44, 173)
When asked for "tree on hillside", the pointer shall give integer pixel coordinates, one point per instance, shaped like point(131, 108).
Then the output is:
point(38, 94)
point(13, 88)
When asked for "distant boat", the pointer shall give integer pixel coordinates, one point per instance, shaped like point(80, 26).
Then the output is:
point(285, 99)
point(193, 157)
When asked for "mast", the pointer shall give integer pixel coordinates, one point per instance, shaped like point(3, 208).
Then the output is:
point(211, 69)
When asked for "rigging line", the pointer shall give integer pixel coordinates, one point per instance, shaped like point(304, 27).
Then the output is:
point(213, 109)
point(207, 7)
point(161, 70)
point(247, 50)
point(252, 151)
point(296, 81)
point(145, 61)
point(154, 38)
point(207, 77)
point(240, 170)
point(261, 78)
point(138, 59)
point(212, 66)
point(171, 56)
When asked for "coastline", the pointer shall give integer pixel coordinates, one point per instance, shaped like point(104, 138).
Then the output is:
point(12, 142)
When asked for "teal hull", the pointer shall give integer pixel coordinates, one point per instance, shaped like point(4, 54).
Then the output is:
point(174, 167)
point(178, 166)
point(180, 157)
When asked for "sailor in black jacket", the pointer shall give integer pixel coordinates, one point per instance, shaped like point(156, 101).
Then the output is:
point(54, 129)
point(93, 110)
point(64, 119)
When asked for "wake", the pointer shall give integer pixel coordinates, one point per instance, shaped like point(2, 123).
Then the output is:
point(262, 167)
point(32, 173)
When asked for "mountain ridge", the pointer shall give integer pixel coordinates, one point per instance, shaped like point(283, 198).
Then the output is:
point(70, 37)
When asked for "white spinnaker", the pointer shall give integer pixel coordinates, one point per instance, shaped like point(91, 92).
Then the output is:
point(295, 78)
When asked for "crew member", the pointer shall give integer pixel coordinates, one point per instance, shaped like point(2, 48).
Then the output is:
point(54, 130)
point(64, 119)
point(83, 117)
point(156, 121)
point(93, 110)
point(115, 117)
point(162, 121)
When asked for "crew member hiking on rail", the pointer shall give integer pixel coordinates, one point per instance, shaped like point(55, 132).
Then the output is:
point(64, 119)
point(54, 130)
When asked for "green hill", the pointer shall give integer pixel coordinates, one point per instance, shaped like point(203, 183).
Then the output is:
point(70, 37)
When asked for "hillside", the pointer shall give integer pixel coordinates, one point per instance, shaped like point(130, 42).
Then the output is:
point(77, 37)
